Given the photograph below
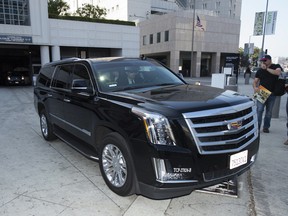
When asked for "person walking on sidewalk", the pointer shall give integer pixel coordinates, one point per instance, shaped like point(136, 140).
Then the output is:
point(286, 142)
point(267, 77)
point(286, 87)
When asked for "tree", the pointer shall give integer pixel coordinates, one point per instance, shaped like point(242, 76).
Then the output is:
point(91, 11)
point(58, 7)
point(247, 60)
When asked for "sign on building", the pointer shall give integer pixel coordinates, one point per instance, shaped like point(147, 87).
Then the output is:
point(15, 39)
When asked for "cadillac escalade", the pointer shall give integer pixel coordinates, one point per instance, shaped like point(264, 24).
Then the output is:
point(151, 132)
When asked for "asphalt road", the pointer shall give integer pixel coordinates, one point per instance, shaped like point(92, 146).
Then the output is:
point(51, 179)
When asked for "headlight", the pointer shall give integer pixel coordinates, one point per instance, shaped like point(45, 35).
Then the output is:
point(157, 127)
point(8, 78)
point(22, 78)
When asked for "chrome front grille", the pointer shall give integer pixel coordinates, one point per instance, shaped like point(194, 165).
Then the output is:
point(223, 130)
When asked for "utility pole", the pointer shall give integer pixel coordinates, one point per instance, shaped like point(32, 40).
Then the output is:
point(192, 47)
point(264, 31)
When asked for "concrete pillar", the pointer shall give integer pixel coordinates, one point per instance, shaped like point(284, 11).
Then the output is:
point(276, 107)
point(44, 52)
point(215, 63)
point(198, 64)
point(193, 65)
point(174, 60)
point(55, 53)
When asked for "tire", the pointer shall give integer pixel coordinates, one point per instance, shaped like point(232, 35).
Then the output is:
point(46, 127)
point(116, 164)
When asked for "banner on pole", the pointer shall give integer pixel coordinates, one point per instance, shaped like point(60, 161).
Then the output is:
point(258, 24)
point(270, 23)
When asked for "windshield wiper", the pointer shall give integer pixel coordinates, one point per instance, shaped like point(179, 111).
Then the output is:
point(130, 88)
point(166, 84)
point(147, 86)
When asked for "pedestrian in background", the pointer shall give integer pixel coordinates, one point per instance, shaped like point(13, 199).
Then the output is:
point(286, 87)
point(267, 77)
point(248, 72)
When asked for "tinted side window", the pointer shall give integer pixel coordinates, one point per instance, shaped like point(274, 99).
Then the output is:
point(61, 77)
point(45, 76)
point(81, 73)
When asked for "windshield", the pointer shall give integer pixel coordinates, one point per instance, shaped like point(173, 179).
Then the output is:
point(133, 74)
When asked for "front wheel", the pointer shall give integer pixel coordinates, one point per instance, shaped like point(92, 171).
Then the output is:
point(46, 127)
point(116, 164)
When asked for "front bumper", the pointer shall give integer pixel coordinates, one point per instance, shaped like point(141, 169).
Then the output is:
point(184, 171)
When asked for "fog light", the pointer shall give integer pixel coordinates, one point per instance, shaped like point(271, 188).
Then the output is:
point(161, 172)
point(253, 158)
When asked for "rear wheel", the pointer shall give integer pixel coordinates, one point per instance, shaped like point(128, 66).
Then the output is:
point(46, 127)
point(116, 164)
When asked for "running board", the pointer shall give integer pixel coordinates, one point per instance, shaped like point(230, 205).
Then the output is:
point(77, 144)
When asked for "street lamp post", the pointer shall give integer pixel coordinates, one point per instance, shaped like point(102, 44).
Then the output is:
point(192, 47)
point(264, 30)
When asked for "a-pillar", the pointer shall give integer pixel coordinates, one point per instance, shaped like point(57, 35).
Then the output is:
point(44, 52)
point(55, 53)
point(174, 61)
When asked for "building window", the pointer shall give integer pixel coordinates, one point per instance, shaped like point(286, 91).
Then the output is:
point(204, 6)
point(158, 37)
point(14, 12)
point(151, 39)
point(144, 40)
point(166, 36)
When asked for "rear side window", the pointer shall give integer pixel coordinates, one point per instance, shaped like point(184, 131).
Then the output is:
point(61, 77)
point(45, 76)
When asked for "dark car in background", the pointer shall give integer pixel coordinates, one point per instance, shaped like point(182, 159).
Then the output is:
point(151, 132)
point(15, 78)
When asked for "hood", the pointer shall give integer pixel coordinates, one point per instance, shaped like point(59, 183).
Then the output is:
point(183, 98)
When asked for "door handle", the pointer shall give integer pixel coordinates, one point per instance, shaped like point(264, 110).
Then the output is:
point(67, 100)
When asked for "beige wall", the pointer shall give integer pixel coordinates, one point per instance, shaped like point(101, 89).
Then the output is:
point(220, 35)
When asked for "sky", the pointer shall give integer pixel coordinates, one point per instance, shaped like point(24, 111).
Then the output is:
point(277, 44)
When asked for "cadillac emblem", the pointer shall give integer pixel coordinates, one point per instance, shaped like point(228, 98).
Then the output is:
point(234, 125)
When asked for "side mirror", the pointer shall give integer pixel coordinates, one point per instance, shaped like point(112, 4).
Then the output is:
point(81, 86)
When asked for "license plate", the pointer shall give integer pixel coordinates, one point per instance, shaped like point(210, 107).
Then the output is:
point(238, 159)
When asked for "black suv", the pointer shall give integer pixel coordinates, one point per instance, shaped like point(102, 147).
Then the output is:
point(152, 133)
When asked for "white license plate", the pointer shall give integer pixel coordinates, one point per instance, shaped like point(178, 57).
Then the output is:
point(238, 159)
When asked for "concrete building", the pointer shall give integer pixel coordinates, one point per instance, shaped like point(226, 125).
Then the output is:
point(138, 10)
point(29, 39)
point(171, 37)
point(167, 32)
